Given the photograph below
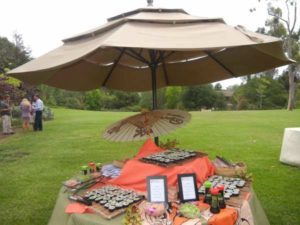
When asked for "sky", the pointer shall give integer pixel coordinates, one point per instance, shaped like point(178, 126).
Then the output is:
point(44, 23)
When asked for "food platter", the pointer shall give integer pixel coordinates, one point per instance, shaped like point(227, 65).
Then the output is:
point(110, 201)
point(235, 188)
point(172, 157)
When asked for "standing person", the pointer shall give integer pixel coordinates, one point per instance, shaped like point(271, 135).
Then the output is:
point(38, 109)
point(26, 109)
point(32, 117)
point(5, 112)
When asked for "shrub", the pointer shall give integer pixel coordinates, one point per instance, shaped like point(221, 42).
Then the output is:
point(48, 114)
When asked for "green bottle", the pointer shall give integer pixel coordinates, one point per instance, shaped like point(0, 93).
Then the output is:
point(98, 166)
point(84, 169)
point(214, 207)
point(207, 197)
point(221, 197)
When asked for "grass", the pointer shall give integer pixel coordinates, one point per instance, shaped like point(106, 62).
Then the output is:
point(33, 165)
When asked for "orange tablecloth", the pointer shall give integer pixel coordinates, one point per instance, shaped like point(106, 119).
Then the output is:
point(135, 172)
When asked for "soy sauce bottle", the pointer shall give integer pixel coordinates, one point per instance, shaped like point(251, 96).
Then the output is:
point(207, 197)
point(222, 204)
point(214, 207)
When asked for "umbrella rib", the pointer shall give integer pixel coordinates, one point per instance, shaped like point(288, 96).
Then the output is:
point(160, 128)
point(169, 54)
point(220, 63)
point(139, 56)
point(129, 54)
point(122, 136)
point(119, 135)
point(159, 56)
point(135, 55)
point(113, 67)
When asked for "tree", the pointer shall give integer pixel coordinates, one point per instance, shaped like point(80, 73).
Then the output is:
point(198, 97)
point(121, 99)
point(146, 99)
point(11, 56)
point(220, 102)
point(218, 86)
point(261, 92)
point(285, 28)
point(173, 97)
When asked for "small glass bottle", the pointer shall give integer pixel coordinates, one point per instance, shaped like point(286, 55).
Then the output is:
point(84, 169)
point(92, 166)
point(222, 204)
point(207, 197)
point(214, 207)
point(98, 166)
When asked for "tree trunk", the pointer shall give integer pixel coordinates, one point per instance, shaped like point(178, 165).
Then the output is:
point(291, 102)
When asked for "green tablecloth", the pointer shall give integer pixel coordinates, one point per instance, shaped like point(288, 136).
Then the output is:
point(59, 217)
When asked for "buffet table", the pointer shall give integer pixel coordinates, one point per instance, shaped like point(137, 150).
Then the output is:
point(133, 176)
point(254, 213)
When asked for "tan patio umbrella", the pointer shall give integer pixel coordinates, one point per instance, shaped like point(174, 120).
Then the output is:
point(165, 45)
point(150, 48)
point(147, 124)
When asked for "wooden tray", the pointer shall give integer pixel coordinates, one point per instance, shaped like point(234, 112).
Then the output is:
point(237, 201)
point(105, 212)
point(101, 210)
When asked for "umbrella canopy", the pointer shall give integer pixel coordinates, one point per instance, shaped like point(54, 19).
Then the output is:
point(146, 124)
point(150, 48)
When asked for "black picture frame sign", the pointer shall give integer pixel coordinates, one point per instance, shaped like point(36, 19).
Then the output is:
point(157, 189)
point(187, 187)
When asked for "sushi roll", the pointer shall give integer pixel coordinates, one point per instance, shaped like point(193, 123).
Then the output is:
point(98, 199)
point(113, 202)
point(111, 208)
point(232, 187)
point(125, 204)
point(119, 198)
point(229, 191)
point(241, 184)
point(102, 202)
point(119, 205)
point(106, 205)
point(236, 192)
point(92, 198)
point(87, 195)
point(130, 201)
point(227, 196)
point(136, 199)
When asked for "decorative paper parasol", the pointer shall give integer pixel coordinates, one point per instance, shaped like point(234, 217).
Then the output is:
point(146, 124)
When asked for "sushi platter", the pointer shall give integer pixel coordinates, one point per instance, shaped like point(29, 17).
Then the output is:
point(234, 188)
point(110, 201)
point(172, 157)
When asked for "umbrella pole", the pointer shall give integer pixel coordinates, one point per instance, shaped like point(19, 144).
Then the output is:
point(154, 93)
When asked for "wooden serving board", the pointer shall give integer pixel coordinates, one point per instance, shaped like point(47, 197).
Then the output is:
point(105, 212)
point(102, 211)
point(237, 201)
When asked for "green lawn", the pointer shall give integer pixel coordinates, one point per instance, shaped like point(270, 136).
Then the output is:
point(33, 165)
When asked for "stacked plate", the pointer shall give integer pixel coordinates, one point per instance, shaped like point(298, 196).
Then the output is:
point(113, 198)
point(231, 185)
